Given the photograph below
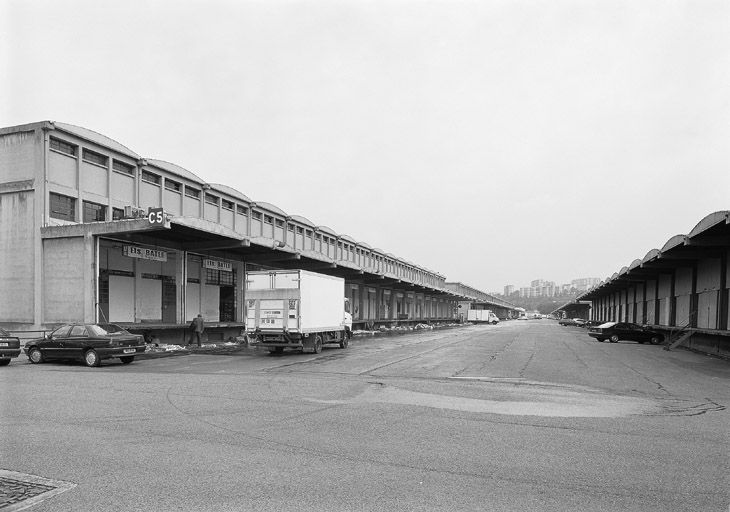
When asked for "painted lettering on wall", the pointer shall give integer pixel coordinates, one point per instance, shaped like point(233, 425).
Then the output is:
point(218, 265)
point(132, 251)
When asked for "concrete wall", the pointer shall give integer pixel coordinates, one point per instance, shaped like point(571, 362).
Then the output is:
point(64, 283)
point(17, 245)
point(19, 157)
point(21, 164)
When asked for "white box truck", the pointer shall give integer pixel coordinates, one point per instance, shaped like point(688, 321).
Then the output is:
point(296, 309)
point(482, 315)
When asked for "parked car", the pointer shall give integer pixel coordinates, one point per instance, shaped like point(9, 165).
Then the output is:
point(580, 322)
point(593, 323)
point(615, 331)
point(90, 343)
point(9, 347)
point(572, 321)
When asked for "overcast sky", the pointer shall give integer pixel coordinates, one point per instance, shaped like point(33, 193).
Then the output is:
point(495, 142)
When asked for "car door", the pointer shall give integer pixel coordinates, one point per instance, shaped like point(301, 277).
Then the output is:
point(635, 333)
point(621, 331)
point(76, 342)
point(53, 345)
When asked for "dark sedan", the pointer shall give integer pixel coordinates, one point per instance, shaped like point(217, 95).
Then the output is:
point(615, 331)
point(89, 343)
point(9, 347)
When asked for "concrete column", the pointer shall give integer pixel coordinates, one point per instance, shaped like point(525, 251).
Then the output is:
point(181, 280)
point(723, 299)
point(695, 300)
point(90, 278)
point(672, 320)
point(657, 306)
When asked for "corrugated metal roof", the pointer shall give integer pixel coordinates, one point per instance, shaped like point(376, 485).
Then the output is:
point(302, 220)
point(96, 138)
point(270, 207)
point(176, 169)
point(231, 192)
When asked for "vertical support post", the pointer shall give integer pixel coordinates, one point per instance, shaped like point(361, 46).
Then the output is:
point(723, 299)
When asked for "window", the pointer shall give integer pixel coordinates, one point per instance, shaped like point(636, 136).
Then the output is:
point(300, 230)
point(93, 212)
point(172, 185)
point(211, 199)
point(63, 147)
point(150, 177)
point(228, 205)
point(123, 167)
point(62, 207)
point(78, 330)
point(279, 223)
point(192, 192)
point(256, 215)
point(268, 219)
point(220, 277)
point(117, 214)
point(241, 210)
point(95, 158)
point(290, 227)
point(309, 232)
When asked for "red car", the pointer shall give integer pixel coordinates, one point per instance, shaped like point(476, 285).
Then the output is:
point(9, 347)
point(89, 343)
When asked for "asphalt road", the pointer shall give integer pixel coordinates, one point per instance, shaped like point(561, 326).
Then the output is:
point(522, 416)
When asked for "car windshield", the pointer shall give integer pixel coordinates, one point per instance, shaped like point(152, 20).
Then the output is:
point(607, 324)
point(107, 330)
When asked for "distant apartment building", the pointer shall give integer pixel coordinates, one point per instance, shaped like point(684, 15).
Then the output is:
point(584, 283)
point(527, 292)
point(543, 288)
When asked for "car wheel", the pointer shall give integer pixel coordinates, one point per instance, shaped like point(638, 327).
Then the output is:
point(614, 338)
point(127, 359)
point(35, 356)
point(656, 340)
point(317, 344)
point(4, 362)
point(91, 358)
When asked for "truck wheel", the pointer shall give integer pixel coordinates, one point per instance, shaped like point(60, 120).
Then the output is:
point(345, 341)
point(317, 347)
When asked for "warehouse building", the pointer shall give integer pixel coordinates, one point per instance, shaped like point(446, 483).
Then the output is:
point(91, 231)
point(680, 289)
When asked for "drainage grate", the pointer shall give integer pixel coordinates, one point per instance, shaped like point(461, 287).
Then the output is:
point(19, 490)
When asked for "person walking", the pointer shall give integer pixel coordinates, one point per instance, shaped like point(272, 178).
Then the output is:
point(198, 327)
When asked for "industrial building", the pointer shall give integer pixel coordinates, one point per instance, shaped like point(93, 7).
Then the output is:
point(91, 231)
point(680, 289)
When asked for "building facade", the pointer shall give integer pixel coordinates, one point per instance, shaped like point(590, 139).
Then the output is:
point(91, 231)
